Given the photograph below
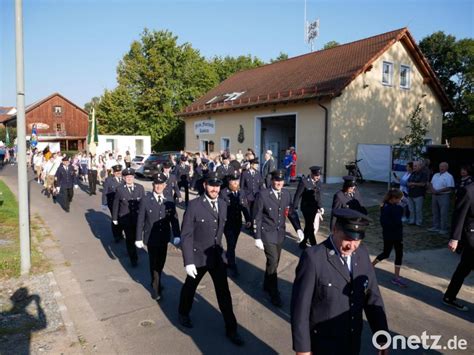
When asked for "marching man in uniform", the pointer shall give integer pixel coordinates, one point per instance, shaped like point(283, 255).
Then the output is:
point(335, 281)
point(108, 194)
point(125, 210)
point(156, 218)
point(172, 192)
point(272, 206)
point(66, 180)
point(309, 193)
point(202, 229)
point(236, 206)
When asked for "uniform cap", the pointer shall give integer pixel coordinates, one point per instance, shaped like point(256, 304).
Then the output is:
point(352, 222)
point(349, 180)
point(234, 175)
point(212, 179)
point(183, 158)
point(315, 170)
point(65, 158)
point(116, 168)
point(253, 161)
point(128, 171)
point(159, 179)
point(278, 175)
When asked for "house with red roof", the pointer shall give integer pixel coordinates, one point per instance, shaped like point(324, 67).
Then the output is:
point(323, 103)
point(57, 119)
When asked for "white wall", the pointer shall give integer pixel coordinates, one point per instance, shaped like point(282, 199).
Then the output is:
point(123, 143)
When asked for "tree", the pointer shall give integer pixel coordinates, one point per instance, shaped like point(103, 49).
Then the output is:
point(453, 62)
point(281, 56)
point(92, 104)
point(156, 79)
point(417, 132)
point(331, 44)
point(226, 66)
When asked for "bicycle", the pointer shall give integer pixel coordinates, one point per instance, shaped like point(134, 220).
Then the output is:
point(353, 170)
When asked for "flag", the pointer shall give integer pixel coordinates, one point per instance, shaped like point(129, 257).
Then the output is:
point(7, 137)
point(92, 135)
point(34, 136)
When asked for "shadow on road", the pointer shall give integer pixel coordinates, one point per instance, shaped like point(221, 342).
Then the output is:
point(209, 332)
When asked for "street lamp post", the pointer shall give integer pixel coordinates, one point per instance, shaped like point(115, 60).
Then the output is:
point(24, 221)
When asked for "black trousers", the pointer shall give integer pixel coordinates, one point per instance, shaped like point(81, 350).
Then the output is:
point(184, 184)
point(92, 175)
point(231, 236)
point(388, 245)
point(465, 266)
point(116, 229)
point(157, 258)
point(224, 299)
point(130, 237)
point(309, 216)
point(270, 282)
point(68, 194)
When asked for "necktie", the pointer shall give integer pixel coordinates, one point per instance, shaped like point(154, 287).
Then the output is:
point(346, 262)
point(279, 195)
point(159, 200)
point(214, 207)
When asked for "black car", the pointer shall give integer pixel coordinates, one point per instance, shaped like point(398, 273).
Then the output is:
point(153, 163)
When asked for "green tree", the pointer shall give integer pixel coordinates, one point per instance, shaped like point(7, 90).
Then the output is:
point(331, 44)
point(417, 126)
point(156, 79)
point(453, 62)
point(93, 103)
point(226, 66)
point(281, 56)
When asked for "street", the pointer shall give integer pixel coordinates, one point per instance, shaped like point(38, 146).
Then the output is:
point(110, 304)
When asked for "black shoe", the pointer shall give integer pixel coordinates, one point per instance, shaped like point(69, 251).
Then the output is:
point(185, 321)
point(235, 338)
point(67, 210)
point(157, 296)
point(276, 301)
point(303, 245)
point(455, 304)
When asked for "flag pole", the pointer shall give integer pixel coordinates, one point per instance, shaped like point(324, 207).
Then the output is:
point(24, 223)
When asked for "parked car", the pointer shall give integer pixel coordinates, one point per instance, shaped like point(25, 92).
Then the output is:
point(138, 161)
point(152, 164)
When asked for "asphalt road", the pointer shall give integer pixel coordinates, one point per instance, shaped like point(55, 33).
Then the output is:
point(110, 304)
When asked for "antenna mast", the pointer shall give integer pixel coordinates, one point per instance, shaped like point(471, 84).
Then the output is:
point(311, 30)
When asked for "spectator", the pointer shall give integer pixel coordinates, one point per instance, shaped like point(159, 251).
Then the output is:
point(416, 193)
point(239, 156)
point(440, 187)
point(294, 158)
point(403, 181)
point(268, 167)
point(465, 179)
point(392, 230)
point(287, 163)
point(110, 163)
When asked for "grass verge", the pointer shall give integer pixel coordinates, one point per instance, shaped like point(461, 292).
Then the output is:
point(9, 238)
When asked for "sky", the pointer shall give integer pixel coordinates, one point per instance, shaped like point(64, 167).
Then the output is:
point(73, 46)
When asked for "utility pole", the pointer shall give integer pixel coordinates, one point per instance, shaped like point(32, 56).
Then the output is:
point(311, 30)
point(24, 218)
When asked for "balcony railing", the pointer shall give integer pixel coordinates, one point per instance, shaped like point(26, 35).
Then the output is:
point(52, 134)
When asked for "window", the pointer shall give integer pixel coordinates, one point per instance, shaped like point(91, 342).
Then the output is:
point(405, 76)
point(57, 110)
point(59, 127)
point(225, 144)
point(387, 73)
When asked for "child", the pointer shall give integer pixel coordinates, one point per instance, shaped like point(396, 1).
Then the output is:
point(391, 213)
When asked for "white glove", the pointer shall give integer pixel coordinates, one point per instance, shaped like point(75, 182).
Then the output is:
point(104, 207)
point(139, 244)
point(176, 240)
point(76, 186)
point(191, 270)
point(115, 222)
point(58, 189)
point(259, 244)
point(300, 236)
point(321, 210)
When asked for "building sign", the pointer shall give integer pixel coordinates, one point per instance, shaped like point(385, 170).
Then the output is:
point(205, 127)
point(39, 125)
